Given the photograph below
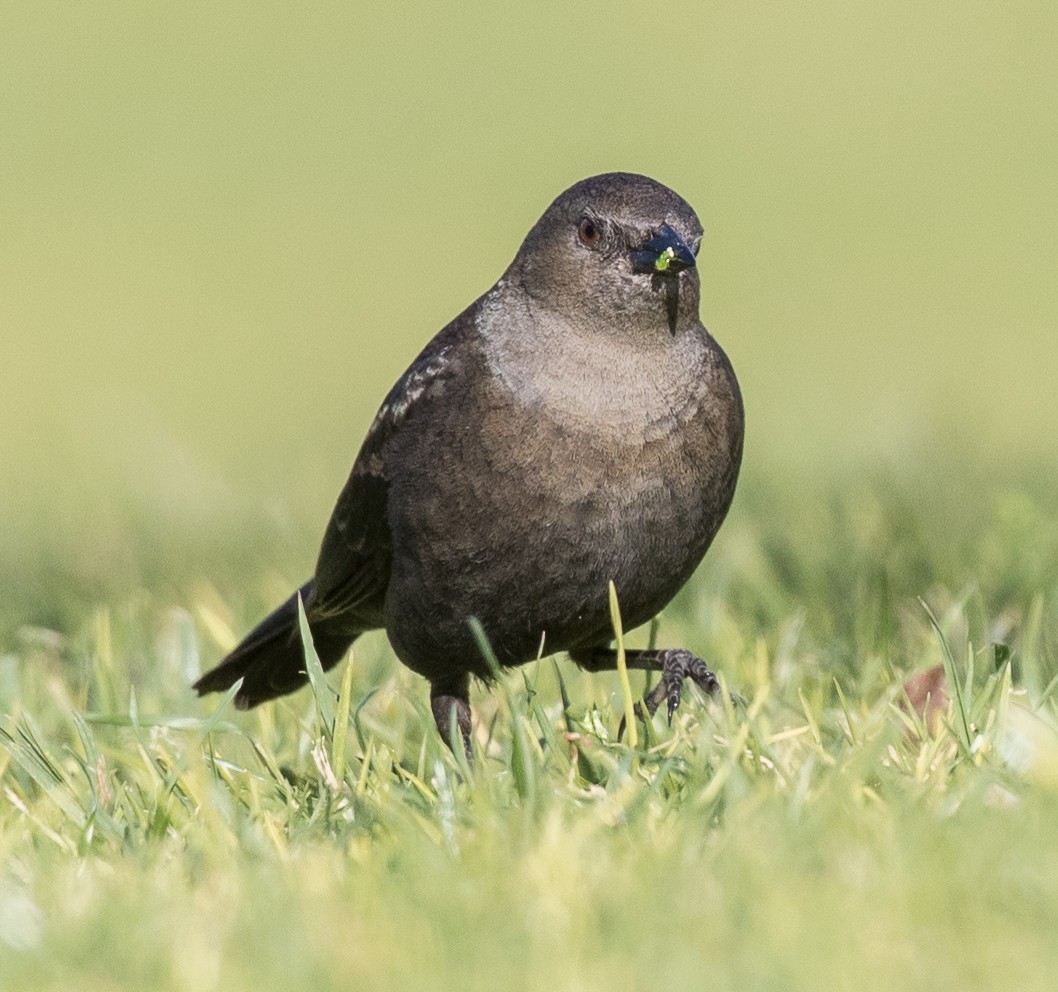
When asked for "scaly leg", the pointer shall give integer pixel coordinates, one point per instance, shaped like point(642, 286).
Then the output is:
point(450, 703)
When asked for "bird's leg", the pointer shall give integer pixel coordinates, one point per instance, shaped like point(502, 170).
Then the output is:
point(675, 665)
point(450, 702)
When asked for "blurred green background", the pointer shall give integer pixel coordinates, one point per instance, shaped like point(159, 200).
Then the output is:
point(226, 229)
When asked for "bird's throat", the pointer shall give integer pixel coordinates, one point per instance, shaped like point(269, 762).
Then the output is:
point(582, 374)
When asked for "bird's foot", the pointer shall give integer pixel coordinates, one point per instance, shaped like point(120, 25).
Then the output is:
point(676, 666)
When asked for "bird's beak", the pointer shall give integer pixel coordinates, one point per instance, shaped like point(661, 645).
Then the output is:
point(665, 254)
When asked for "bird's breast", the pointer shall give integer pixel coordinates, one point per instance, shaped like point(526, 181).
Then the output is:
point(634, 461)
point(586, 376)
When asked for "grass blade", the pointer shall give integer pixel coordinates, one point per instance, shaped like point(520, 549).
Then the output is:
point(341, 723)
point(622, 671)
point(320, 689)
point(962, 715)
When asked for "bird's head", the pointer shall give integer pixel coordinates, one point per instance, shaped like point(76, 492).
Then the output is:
point(618, 250)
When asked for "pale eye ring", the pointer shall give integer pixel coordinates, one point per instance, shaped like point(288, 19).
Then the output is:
point(588, 232)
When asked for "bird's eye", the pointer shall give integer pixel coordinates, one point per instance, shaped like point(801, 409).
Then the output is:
point(588, 232)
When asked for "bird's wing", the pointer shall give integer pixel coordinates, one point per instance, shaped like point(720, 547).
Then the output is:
point(352, 571)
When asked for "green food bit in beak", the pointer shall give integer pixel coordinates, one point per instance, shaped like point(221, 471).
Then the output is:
point(664, 258)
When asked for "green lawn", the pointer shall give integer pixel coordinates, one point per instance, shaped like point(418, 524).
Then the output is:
point(813, 836)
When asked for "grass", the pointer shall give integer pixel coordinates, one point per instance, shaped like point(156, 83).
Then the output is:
point(817, 835)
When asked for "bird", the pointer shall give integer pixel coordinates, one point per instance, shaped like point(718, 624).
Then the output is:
point(576, 425)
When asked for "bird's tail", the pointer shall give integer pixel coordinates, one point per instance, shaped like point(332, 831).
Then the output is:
point(270, 659)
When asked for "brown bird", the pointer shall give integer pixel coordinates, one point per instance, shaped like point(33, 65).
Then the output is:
point(575, 425)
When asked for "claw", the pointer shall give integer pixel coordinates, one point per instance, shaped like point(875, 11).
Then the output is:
point(675, 689)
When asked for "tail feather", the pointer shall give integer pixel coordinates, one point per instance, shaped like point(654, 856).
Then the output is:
point(270, 659)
